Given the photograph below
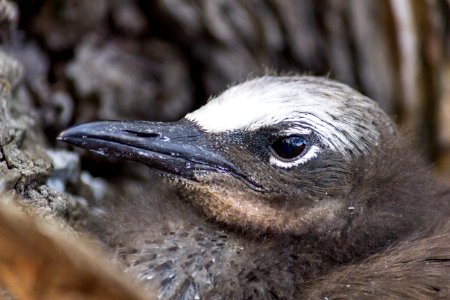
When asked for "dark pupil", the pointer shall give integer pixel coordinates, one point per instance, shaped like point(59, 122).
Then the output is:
point(289, 147)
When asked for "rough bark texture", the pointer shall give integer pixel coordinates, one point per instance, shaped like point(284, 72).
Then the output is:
point(42, 259)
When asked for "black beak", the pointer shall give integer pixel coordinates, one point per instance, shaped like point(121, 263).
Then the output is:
point(177, 148)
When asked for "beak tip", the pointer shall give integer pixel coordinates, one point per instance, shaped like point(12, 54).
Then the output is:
point(62, 137)
point(68, 135)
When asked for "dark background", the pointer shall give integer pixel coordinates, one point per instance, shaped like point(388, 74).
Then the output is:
point(157, 60)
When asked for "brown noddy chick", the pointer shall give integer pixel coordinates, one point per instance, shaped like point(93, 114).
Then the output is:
point(291, 177)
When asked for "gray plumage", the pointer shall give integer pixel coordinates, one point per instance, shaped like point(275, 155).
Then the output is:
point(242, 222)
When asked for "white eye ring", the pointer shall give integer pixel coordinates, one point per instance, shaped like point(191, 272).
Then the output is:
point(312, 153)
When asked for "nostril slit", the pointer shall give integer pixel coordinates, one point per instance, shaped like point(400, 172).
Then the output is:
point(142, 134)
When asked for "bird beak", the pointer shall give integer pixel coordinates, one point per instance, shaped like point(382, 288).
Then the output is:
point(177, 148)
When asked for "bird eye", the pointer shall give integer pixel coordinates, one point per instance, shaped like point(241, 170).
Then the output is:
point(289, 148)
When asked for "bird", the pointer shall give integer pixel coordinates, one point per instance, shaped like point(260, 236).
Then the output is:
point(280, 187)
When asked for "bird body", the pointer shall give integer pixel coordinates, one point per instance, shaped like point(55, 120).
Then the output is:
point(282, 180)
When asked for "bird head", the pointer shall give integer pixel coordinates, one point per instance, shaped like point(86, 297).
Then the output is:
point(273, 154)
